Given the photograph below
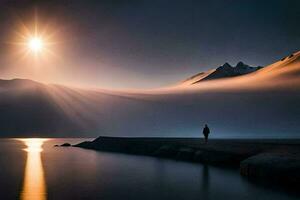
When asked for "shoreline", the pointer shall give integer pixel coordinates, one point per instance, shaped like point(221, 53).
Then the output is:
point(275, 161)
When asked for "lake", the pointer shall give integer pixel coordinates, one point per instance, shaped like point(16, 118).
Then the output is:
point(32, 169)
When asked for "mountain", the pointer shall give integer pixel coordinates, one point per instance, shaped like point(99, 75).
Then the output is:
point(264, 103)
point(224, 71)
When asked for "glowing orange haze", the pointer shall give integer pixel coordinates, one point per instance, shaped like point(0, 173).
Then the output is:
point(284, 73)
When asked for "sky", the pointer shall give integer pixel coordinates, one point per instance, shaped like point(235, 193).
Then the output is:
point(143, 43)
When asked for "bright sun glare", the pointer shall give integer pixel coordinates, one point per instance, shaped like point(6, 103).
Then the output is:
point(35, 44)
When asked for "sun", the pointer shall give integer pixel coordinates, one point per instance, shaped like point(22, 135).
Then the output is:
point(35, 44)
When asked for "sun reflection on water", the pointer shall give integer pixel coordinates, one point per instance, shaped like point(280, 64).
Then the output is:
point(34, 186)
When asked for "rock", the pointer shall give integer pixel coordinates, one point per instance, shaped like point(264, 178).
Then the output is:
point(66, 145)
point(166, 151)
point(198, 156)
point(185, 153)
point(282, 169)
point(221, 158)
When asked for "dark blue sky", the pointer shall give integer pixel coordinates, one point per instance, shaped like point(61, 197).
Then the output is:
point(152, 43)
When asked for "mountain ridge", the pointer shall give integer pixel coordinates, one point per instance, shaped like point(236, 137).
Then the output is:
point(224, 71)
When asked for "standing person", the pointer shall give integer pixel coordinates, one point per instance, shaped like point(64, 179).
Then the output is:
point(206, 132)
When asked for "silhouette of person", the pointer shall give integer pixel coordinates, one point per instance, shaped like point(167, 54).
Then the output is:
point(206, 132)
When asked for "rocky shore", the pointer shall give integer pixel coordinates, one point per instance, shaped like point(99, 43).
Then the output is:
point(276, 161)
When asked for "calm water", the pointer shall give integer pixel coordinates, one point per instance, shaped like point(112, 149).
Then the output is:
point(35, 170)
